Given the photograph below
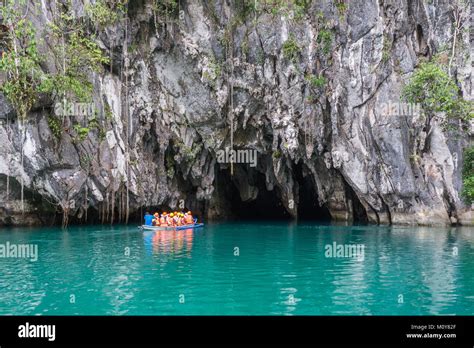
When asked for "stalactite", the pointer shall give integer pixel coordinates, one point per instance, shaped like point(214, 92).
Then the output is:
point(21, 116)
point(129, 124)
point(230, 51)
point(65, 221)
point(124, 188)
point(103, 212)
point(119, 217)
point(65, 209)
point(111, 58)
point(23, 136)
point(112, 204)
point(127, 203)
point(8, 159)
point(122, 203)
point(107, 211)
point(99, 210)
point(86, 203)
point(8, 187)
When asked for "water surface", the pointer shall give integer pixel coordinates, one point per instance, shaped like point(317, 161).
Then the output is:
point(240, 269)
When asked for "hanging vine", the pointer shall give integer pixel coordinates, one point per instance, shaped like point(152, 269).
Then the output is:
point(21, 63)
point(128, 123)
point(230, 81)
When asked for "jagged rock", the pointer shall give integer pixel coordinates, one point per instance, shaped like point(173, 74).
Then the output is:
point(164, 129)
point(5, 108)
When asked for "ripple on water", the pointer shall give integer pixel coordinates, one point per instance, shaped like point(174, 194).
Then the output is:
point(279, 269)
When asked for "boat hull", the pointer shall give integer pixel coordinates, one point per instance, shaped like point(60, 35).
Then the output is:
point(169, 228)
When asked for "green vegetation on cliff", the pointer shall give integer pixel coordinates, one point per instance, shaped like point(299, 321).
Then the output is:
point(105, 12)
point(436, 92)
point(432, 88)
point(291, 49)
point(468, 175)
point(22, 61)
point(76, 55)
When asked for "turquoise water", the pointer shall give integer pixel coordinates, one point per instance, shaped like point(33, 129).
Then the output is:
point(240, 269)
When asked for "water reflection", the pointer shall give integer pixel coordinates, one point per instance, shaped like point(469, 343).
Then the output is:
point(168, 242)
point(280, 270)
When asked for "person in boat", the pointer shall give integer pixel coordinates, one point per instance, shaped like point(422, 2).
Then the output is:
point(170, 219)
point(177, 219)
point(156, 219)
point(185, 219)
point(180, 221)
point(148, 219)
point(163, 219)
point(188, 218)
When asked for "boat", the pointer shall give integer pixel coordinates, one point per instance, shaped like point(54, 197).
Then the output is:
point(171, 228)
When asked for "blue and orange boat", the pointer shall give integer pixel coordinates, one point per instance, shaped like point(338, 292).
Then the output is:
point(171, 228)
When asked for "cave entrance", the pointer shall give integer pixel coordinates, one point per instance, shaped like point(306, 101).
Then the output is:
point(308, 203)
point(358, 210)
point(267, 204)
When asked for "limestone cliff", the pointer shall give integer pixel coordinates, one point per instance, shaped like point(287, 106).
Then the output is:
point(306, 90)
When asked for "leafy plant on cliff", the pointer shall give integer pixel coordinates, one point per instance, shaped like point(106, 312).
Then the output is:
point(105, 12)
point(325, 40)
point(189, 153)
point(386, 49)
point(55, 126)
point(436, 92)
point(468, 176)
point(341, 7)
point(165, 10)
point(21, 62)
point(432, 88)
point(81, 132)
point(169, 165)
point(295, 9)
point(76, 55)
point(291, 50)
point(316, 81)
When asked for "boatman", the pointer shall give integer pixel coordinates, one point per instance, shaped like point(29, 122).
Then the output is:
point(148, 219)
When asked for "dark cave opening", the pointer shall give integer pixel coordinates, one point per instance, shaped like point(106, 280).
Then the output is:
point(268, 203)
point(358, 210)
point(266, 206)
point(308, 204)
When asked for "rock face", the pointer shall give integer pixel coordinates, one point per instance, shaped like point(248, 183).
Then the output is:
point(309, 93)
